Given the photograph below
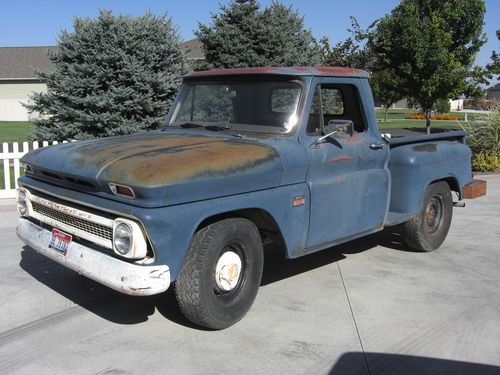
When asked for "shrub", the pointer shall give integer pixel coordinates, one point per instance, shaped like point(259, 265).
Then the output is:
point(485, 161)
point(484, 135)
point(484, 140)
point(443, 106)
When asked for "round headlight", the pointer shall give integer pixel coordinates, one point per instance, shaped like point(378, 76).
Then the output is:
point(22, 205)
point(123, 238)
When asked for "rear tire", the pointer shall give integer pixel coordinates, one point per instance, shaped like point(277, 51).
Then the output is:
point(221, 274)
point(428, 230)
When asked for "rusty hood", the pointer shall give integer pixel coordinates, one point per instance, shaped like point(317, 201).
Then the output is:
point(162, 168)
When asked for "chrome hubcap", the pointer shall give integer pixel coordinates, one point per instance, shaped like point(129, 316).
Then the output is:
point(228, 271)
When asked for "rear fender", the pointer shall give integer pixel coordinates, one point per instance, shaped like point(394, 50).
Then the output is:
point(415, 166)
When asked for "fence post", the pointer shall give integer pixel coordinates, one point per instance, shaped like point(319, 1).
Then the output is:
point(6, 166)
point(15, 151)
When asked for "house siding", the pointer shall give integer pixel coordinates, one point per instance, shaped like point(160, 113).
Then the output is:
point(13, 96)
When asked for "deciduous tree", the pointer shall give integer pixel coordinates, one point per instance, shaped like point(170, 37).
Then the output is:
point(351, 52)
point(387, 88)
point(431, 46)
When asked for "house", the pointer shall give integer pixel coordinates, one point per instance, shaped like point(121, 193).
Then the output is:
point(403, 103)
point(18, 78)
point(493, 93)
point(193, 49)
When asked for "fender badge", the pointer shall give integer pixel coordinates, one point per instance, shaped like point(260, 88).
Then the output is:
point(298, 201)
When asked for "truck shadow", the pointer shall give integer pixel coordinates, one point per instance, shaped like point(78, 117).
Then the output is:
point(123, 309)
point(277, 267)
point(356, 363)
point(98, 299)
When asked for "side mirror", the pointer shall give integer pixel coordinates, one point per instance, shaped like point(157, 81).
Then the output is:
point(339, 126)
point(342, 126)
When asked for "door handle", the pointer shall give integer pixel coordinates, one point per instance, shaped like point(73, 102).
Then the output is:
point(377, 146)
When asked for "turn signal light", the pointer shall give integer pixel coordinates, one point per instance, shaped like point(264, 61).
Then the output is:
point(122, 191)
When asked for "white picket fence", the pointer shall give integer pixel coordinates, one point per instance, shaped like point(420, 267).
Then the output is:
point(10, 156)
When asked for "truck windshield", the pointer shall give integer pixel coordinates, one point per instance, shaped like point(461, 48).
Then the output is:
point(254, 106)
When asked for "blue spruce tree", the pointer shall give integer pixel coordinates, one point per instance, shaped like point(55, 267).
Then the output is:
point(113, 75)
point(243, 35)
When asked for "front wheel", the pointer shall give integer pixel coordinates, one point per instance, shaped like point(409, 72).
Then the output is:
point(428, 230)
point(221, 274)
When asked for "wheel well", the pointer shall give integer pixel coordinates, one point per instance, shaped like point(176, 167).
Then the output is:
point(268, 228)
point(453, 184)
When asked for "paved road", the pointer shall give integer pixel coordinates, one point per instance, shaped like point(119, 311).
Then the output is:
point(367, 307)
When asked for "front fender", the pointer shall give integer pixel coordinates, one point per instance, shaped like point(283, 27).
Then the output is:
point(171, 228)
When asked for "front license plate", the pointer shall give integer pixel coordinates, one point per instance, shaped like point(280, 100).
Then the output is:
point(60, 241)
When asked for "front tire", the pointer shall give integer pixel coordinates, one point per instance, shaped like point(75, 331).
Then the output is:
point(221, 274)
point(428, 230)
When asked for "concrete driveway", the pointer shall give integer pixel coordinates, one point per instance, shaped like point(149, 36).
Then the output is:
point(368, 307)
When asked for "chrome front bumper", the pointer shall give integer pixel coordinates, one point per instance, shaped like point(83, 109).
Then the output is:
point(128, 278)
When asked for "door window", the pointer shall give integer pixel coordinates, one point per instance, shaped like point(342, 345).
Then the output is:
point(339, 102)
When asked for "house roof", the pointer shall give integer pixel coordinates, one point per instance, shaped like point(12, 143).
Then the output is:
point(20, 63)
point(332, 71)
point(193, 49)
point(494, 88)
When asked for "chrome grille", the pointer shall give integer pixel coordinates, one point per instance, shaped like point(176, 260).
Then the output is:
point(75, 222)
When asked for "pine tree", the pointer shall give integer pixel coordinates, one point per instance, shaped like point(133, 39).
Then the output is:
point(113, 75)
point(243, 35)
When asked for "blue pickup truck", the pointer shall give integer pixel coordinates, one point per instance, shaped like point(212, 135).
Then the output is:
point(246, 157)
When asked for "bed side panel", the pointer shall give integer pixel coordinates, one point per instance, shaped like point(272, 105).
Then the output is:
point(414, 166)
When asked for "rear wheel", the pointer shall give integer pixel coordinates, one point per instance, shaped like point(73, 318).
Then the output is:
point(221, 275)
point(428, 230)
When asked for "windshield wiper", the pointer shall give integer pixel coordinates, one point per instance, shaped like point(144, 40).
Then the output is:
point(193, 124)
point(190, 124)
point(225, 129)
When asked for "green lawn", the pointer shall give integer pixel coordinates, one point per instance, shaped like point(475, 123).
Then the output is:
point(14, 131)
point(414, 123)
point(12, 181)
point(396, 118)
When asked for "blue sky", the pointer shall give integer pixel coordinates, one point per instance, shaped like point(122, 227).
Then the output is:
point(37, 22)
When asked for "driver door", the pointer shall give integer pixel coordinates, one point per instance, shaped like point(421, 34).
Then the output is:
point(347, 176)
